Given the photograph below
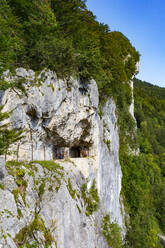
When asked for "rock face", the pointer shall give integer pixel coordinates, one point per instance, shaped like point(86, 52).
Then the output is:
point(60, 114)
point(109, 174)
point(2, 168)
point(162, 239)
point(54, 113)
point(131, 108)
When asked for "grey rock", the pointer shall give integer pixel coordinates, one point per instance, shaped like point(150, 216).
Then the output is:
point(2, 168)
point(21, 72)
point(9, 183)
point(55, 115)
point(110, 174)
point(18, 117)
point(162, 239)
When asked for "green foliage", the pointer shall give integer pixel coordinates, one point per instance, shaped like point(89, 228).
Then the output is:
point(66, 37)
point(7, 136)
point(56, 171)
point(49, 165)
point(143, 180)
point(10, 40)
point(16, 194)
point(91, 198)
point(41, 190)
point(20, 215)
point(28, 233)
point(20, 173)
point(72, 192)
point(112, 232)
point(14, 169)
point(108, 143)
point(149, 112)
point(2, 186)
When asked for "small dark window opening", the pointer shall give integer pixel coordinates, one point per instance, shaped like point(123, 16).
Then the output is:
point(74, 152)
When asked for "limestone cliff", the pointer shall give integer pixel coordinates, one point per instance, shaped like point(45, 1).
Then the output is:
point(61, 203)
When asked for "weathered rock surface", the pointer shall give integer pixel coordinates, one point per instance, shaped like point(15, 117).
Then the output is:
point(62, 214)
point(131, 107)
point(2, 168)
point(56, 113)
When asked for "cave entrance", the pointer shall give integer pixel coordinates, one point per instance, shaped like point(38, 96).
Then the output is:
point(78, 152)
point(74, 152)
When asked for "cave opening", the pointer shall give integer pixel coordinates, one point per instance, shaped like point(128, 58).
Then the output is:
point(70, 152)
point(74, 152)
point(78, 152)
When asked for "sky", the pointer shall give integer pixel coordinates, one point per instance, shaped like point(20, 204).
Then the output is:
point(143, 23)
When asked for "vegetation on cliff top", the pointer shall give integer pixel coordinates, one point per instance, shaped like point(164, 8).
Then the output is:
point(64, 36)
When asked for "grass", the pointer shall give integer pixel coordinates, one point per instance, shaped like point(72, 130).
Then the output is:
point(49, 165)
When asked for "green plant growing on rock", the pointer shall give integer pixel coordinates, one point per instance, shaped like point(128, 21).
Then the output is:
point(14, 168)
point(70, 189)
point(108, 143)
point(52, 87)
point(18, 173)
point(28, 233)
point(57, 171)
point(2, 186)
point(20, 215)
point(7, 136)
point(49, 165)
point(91, 198)
point(112, 232)
point(41, 190)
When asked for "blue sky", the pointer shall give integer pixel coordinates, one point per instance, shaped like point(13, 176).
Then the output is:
point(143, 22)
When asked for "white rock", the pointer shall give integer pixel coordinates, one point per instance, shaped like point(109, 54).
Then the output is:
point(57, 116)
point(21, 72)
point(2, 168)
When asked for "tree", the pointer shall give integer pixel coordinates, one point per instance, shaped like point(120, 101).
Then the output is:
point(7, 136)
point(10, 40)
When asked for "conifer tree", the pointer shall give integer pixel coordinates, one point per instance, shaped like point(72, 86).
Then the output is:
point(7, 136)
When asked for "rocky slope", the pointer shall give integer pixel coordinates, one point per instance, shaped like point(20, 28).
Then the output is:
point(62, 203)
